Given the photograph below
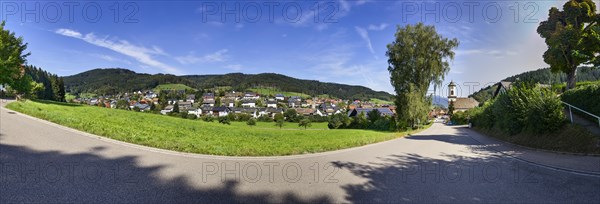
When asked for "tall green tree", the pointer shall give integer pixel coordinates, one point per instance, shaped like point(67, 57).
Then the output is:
point(572, 36)
point(175, 107)
point(451, 108)
point(417, 58)
point(12, 57)
point(279, 119)
point(304, 123)
point(374, 115)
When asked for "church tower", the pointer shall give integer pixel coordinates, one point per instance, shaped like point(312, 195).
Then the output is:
point(451, 91)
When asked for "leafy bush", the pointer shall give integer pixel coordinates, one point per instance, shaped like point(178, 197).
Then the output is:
point(242, 117)
point(339, 121)
point(520, 109)
point(251, 122)
point(191, 116)
point(224, 120)
point(304, 123)
point(562, 87)
point(264, 118)
point(317, 118)
point(207, 118)
point(585, 98)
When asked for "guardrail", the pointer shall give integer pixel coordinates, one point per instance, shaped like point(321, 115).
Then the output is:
point(579, 109)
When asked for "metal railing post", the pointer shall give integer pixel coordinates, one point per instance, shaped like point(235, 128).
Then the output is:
point(571, 114)
point(579, 109)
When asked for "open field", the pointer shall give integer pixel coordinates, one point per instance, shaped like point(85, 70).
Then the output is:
point(172, 87)
point(270, 91)
point(196, 136)
point(381, 102)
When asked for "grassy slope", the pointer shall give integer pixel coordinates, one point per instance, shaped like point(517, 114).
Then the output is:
point(172, 87)
point(286, 125)
point(267, 91)
point(381, 102)
point(196, 136)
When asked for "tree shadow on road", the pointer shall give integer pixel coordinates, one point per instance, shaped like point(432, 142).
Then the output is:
point(32, 176)
point(453, 139)
point(460, 179)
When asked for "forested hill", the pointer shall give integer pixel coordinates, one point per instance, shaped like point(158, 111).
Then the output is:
point(110, 81)
point(542, 76)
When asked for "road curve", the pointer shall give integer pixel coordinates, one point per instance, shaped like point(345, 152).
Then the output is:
point(44, 162)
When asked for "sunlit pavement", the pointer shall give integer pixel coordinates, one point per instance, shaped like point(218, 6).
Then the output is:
point(43, 162)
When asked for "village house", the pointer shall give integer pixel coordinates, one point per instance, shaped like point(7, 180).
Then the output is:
point(191, 98)
point(195, 111)
point(208, 99)
point(167, 109)
point(305, 111)
point(294, 102)
point(228, 102)
point(184, 106)
point(271, 104)
point(251, 96)
point(142, 107)
point(220, 111)
point(502, 87)
point(93, 102)
point(248, 103)
point(232, 95)
point(272, 111)
point(460, 104)
point(279, 97)
point(250, 111)
point(366, 111)
point(329, 109)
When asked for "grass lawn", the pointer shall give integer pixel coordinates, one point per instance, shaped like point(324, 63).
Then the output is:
point(172, 87)
point(237, 139)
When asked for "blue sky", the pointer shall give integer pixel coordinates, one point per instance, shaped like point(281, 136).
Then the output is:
point(344, 43)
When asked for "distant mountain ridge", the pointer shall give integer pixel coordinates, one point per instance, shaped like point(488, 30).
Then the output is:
point(116, 80)
point(542, 76)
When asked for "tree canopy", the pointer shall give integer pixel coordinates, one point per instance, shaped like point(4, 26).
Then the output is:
point(12, 56)
point(572, 36)
point(417, 58)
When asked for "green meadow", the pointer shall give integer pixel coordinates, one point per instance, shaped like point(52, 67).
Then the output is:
point(272, 91)
point(172, 87)
point(196, 136)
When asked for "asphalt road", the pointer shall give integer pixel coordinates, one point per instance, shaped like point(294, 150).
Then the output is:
point(43, 162)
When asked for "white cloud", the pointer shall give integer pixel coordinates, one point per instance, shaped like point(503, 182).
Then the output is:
point(378, 27)
point(494, 53)
point(112, 59)
point(69, 33)
point(141, 54)
point(235, 67)
point(218, 56)
point(308, 18)
point(364, 34)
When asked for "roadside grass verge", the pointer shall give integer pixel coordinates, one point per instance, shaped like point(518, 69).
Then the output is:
point(569, 138)
point(197, 136)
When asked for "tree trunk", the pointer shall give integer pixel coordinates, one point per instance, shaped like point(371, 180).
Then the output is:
point(571, 80)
